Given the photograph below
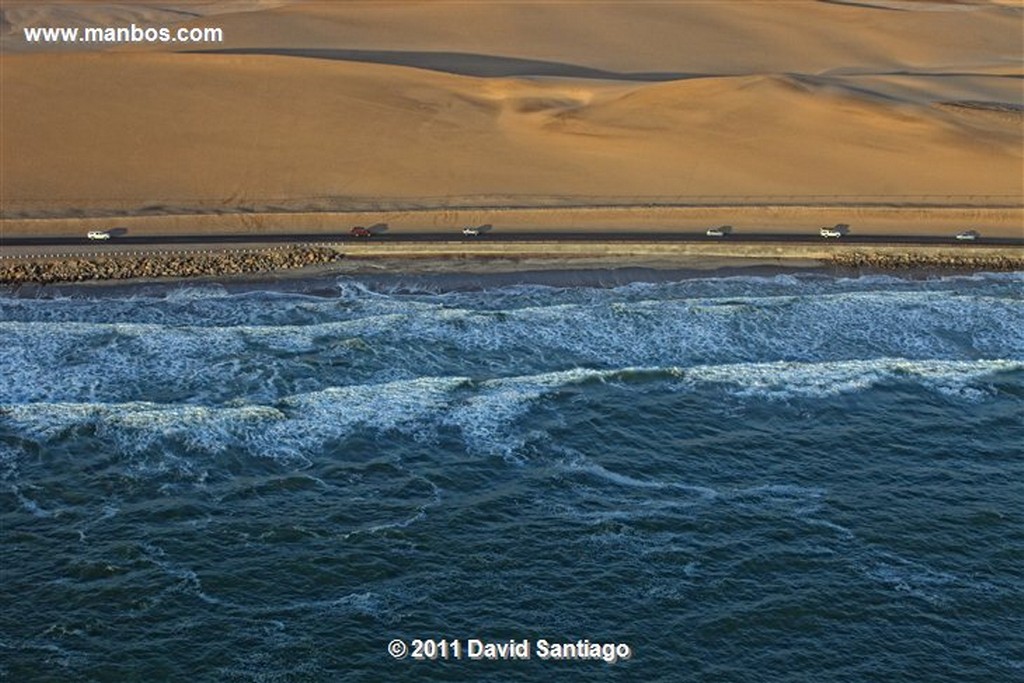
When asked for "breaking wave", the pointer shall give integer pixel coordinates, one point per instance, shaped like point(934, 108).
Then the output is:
point(488, 414)
point(306, 343)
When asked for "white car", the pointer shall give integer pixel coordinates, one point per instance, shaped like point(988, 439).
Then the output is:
point(968, 235)
point(719, 232)
point(471, 232)
point(98, 235)
point(830, 232)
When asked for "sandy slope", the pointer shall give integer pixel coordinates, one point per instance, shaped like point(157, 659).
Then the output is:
point(319, 105)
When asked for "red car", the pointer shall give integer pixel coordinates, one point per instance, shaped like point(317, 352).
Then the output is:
point(360, 232)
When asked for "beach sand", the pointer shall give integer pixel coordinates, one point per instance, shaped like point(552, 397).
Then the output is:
point(893, 116)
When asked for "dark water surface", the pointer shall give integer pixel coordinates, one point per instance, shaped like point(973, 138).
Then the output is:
point(778, 478)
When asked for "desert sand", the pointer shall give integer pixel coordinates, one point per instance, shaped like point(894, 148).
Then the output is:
point(427, 111)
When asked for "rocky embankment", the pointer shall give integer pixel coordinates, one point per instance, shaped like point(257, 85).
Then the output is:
point(987, 262)
point(163, 265)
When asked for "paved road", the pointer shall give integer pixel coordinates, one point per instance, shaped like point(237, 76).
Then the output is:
point(503, 236)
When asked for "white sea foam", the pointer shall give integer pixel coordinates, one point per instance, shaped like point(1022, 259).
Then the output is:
point(289, 430)
point(335, 411)
point(30, 505)
point(197, 292)
point(356, 290)
point(918, 324)
point(779, 492)
point(638, 325)
point(592, 468)
point(488, 413)
point(912, 578)
point(488, 419)
point(580, 463)
point(842, 531)
point(419, 514)
point(137, 425)
point(785, 380)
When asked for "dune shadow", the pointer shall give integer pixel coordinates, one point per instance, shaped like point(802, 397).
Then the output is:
point(866, 5)
point(461, 63)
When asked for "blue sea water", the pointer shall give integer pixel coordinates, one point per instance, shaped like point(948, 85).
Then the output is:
point(741, 478)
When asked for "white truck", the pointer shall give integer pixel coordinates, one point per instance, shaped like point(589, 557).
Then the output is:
point(98, 235)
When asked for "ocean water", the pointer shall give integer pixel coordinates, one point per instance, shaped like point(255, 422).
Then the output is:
point(738, 478)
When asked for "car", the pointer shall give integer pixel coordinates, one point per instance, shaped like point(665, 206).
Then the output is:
point(360, 231)
point(98, 235)
point(968, 235)
point(830, 232)
point(721, 231)
point(471, 232)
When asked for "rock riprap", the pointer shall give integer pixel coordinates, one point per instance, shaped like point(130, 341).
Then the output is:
point(986, 262)
point(199, 264)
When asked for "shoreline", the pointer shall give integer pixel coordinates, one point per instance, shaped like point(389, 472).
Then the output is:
point(322, 271)
point(422, 275)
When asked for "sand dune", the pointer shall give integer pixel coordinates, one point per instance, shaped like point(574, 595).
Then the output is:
point(313, 105)
point(693, 37)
